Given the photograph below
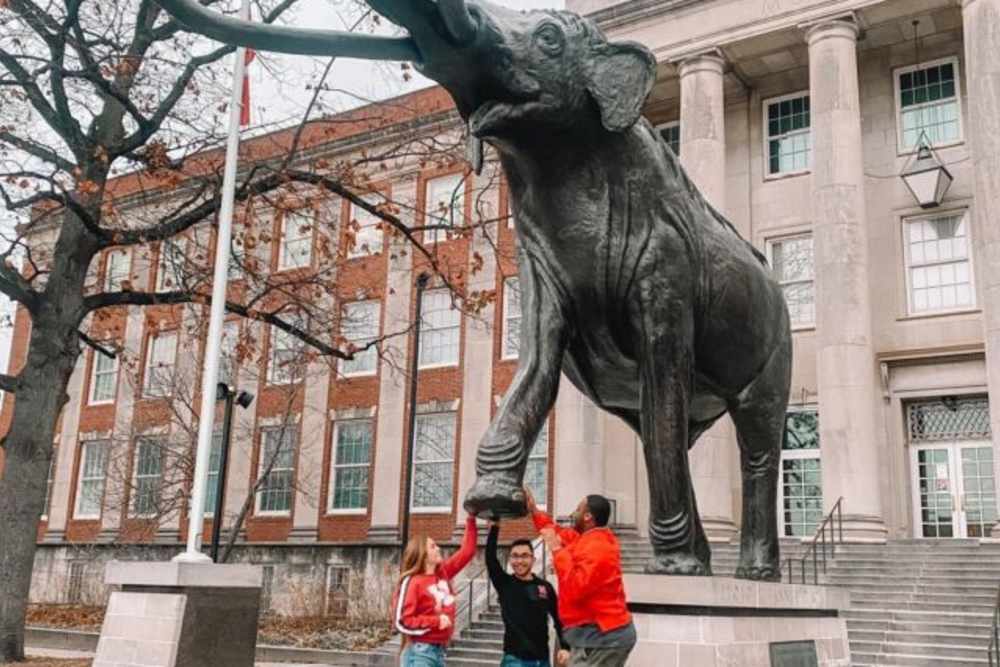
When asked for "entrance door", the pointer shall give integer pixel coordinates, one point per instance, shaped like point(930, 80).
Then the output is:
point(954, 489)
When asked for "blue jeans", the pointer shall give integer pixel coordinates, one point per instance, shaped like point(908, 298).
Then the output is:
point(513, 661)
point(420, 654)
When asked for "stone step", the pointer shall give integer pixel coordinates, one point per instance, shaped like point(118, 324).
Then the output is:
point(917, 587)
point(476, 632)
point(910, 616)
point(843, 579)
point(474, 654)
point(928, 650)
point(936, 639)
point(922, 606)
point(888, 625)
point(943, 598)
point(864, 659)
point(478, 644)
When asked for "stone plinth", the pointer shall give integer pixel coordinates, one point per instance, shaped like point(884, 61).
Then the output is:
point(180, 614)
point(717, 621)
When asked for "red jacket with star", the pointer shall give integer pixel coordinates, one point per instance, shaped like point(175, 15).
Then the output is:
point(422, 598)
point(589, 568)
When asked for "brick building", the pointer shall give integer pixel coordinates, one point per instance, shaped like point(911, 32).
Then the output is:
point(795, 117)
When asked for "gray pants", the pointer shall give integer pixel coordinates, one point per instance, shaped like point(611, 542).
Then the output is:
point(599, 657)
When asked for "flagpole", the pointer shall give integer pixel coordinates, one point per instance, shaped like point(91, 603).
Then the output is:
point(213, 345)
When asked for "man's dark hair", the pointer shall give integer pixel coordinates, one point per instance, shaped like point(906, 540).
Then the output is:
point(599, 508)
point(522, 543)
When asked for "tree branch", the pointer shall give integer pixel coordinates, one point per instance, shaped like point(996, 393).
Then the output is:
point(107, 352)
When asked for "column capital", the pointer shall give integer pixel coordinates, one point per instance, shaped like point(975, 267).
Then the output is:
point(842, 27)
point(711, 60)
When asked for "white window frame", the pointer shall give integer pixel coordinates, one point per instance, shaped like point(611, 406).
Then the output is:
point(436, 509)
point(288, 374)
point(162, 268)
point(367, 221)
point(543, 503)
point(160, 443)
point(304, 217)
point(966, 214)
point(769, 247)
point(669, 125)
point(109, 275)
point(431, 215)
point(151, 342)
point(361, 340)
point(425, 328)
point(897, 102)
point(798, 454)
point(50, 481)
point(84, 450)
point(94, 372)
point(766, 136)
point(330, 509)
point(293, 430)
point(505, 352)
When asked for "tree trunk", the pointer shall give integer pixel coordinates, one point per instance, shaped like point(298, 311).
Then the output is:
point(52, 354)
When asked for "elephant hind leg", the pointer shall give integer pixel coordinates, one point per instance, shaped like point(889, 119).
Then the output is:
point(759, 417)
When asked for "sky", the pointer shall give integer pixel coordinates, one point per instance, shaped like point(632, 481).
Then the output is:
point(280, 86)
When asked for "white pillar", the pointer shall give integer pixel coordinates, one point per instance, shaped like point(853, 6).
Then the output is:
point(980, 19)
point(703, 155)
point(387, 469)
point(312, 438)
point(846, 366)
point(579, 450)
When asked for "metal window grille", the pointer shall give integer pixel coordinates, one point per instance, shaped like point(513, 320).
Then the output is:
point(949, 418)
point(74, 591)
point(266, 588)
point(338, 590)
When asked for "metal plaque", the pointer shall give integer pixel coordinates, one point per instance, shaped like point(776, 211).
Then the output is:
point(794, 654)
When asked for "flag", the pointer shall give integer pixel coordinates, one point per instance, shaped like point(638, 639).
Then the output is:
point(245, 102)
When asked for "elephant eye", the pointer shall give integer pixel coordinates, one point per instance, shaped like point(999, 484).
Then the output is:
point(550, 39)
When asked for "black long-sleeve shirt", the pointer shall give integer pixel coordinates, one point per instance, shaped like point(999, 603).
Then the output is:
point(524, 606)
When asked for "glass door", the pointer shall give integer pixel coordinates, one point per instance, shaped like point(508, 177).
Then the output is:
point(935, 493)
point(978, 489)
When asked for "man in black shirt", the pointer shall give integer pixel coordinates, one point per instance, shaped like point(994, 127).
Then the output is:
point(525, 603)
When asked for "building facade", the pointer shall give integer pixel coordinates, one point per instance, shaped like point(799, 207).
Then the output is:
point(795, 118)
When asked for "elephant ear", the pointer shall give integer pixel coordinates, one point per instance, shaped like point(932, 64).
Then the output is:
point(619, 78)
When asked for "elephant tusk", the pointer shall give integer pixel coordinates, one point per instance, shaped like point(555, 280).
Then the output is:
point(282, 39)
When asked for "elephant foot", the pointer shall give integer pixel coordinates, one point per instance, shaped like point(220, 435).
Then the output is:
point(495, 496)
point(758, 568)
point(678, 563)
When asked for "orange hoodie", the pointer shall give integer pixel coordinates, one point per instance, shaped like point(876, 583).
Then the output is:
point(589, 569)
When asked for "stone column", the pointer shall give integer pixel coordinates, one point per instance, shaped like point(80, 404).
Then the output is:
point(387, 469)
point(703, 155)
point(980, 19)
point(579, 457)
point(846, 366)
point(312, 441)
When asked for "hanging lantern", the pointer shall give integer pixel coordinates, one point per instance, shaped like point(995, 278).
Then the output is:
point(926, 176)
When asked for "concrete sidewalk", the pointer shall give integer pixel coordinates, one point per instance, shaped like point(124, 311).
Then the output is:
point(56, 653)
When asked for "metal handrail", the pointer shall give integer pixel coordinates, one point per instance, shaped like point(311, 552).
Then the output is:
point(993, 652)
point(819, 539)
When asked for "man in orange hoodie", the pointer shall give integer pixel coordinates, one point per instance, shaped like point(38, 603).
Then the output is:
point(587, 558)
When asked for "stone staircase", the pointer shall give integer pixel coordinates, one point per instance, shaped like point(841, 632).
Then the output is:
point(913, 602)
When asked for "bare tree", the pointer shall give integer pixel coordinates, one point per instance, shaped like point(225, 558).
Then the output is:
point(91, 90)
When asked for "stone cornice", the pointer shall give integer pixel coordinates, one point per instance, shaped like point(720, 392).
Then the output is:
point(630, 11)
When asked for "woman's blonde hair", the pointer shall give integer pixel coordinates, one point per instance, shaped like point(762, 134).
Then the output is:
point(414, 557)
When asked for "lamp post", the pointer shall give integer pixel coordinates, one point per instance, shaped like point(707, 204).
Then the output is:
point(244, 398)
point(404, 530)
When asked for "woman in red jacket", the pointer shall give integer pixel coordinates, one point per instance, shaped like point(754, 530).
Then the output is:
point(424, 604)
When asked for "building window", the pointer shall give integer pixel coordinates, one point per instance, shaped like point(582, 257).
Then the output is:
point(789, 140)
point(671, 133)
point(444, 205)
point(792, 265)
point(266, 588)
point(170, 269)
point(295, 249)
point(511, 318)
point(149, 453)
point(536, 475)
point(351, 461)
point(118, 268)
point(90, 488)
point(287, 359)
point(214, 465)
point(801, 495)
point(277, 452)
point(928, 102)
point(103, 378)
point(367, 231)
point(50, 480)
point(161, 354)
point(938, 264)
point(227, 355)
point(74, 587)
point(434, 462)
point(338, 590)
point(440, 328)
point(360, 327)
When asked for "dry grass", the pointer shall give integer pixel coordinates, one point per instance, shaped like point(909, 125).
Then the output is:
point(74, 616)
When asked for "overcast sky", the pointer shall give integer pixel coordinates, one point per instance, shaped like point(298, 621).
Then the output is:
point(281, 85)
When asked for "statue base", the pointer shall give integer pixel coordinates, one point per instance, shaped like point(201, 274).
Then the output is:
point(172, 614)
point(719, 621)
